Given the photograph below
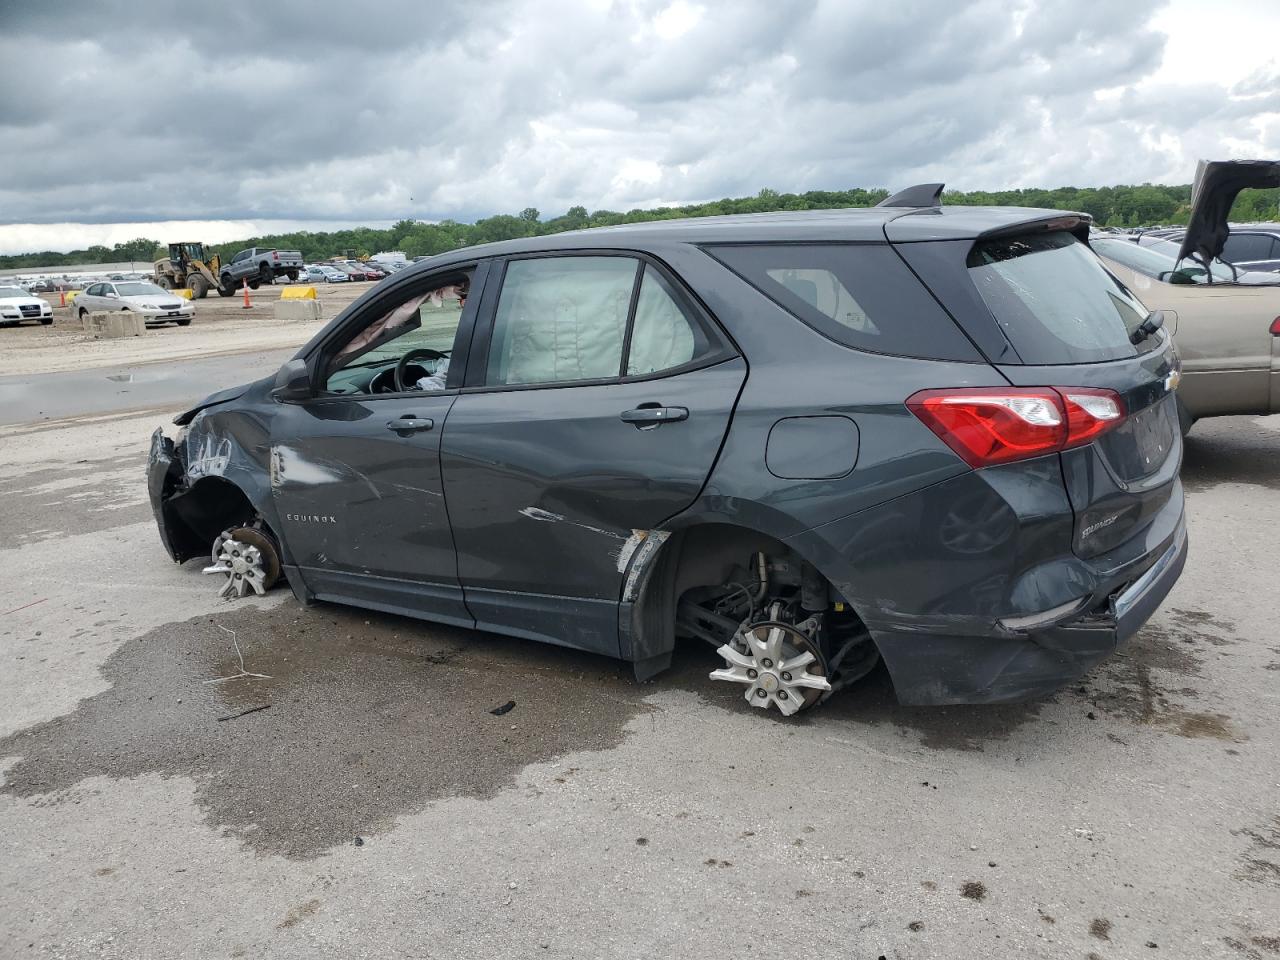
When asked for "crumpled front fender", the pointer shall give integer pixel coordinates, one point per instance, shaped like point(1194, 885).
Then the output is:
point(164, 476)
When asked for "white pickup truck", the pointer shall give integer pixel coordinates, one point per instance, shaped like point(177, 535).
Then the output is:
point(259, 265)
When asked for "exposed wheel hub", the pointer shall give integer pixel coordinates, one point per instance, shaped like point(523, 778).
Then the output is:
point(780, 666)
point(248, 559)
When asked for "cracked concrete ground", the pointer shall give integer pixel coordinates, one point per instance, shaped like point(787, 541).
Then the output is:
point(378, 808)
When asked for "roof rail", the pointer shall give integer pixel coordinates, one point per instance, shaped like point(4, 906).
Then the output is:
point(921, 195)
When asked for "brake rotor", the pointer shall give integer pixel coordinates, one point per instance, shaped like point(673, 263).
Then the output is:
point(249, 560)
point(780, 666)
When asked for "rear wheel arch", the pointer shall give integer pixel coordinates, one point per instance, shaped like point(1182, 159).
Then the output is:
point(701, 554)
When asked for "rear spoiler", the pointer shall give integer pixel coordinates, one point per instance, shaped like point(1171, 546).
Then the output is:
point(1076, 223)
point(1218, 183)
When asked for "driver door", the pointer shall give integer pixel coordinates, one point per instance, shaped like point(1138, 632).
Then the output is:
point(355, 469)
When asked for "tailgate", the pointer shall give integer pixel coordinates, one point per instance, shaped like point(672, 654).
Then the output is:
point(1046, 314)
point(1118, 482)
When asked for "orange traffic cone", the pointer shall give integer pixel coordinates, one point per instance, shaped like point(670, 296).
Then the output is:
point(247, 304)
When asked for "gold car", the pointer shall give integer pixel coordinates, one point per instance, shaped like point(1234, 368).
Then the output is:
point(1227, 332)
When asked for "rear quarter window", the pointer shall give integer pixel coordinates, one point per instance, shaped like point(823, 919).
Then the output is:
point(861, 295)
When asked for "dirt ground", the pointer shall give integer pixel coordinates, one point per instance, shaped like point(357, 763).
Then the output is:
point(352, 793)
point(221, 326)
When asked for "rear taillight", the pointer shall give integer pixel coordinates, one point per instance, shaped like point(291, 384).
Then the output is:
point(990, 425)
point(275, 255)
point(1089, 413)
point(1275, 327)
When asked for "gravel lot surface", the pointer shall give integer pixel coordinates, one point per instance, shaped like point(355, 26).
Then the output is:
point(378, 808)
point(221, 326)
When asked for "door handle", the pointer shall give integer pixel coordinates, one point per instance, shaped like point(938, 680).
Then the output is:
point(647, 416)
point(410, 424)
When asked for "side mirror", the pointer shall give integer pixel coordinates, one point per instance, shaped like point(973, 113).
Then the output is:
point(293, 382)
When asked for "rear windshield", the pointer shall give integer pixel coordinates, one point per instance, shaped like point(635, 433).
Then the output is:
point(861, 295)
point(1054, 301)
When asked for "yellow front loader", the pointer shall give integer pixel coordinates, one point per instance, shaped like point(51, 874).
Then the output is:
point(187, 266)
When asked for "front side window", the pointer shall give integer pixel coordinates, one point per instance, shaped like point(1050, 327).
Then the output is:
point(405, 348)
point(1243, 247)
point(1054, 300)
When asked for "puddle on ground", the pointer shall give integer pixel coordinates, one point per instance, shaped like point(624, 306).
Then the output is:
point(369, 717)
point(1137, 688)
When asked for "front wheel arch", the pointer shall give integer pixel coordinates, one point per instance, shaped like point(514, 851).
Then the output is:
point(210, 506)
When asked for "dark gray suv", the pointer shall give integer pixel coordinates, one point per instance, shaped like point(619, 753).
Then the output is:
point(944, 437)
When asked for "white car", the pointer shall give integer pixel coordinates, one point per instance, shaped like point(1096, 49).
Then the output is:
point(155, 304)
point(17, 305)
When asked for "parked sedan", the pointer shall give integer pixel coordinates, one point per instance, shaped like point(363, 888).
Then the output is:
point(1218, 269)
point(1227, 333)
point(17, 305)
point(324, 274)
point(356, 271)
point(956, 450)
point(155, 304)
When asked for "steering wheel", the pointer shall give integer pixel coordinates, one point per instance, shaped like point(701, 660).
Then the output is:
point(420, 353)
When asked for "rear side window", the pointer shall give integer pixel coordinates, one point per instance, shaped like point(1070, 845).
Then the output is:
point(662, 336)
point(1242, 247)
point(1054, 301)
point(561, 319)
point(861, 295)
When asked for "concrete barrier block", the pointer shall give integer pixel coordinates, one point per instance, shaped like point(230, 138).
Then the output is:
point(297, 310)
point(111, 324)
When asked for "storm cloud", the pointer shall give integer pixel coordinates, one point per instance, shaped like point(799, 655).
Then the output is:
point(148, 111)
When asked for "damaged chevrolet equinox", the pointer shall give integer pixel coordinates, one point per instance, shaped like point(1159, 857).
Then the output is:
point(945, 438)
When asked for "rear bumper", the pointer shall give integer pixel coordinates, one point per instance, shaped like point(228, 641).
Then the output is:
point(973, 592)
point(933, 669)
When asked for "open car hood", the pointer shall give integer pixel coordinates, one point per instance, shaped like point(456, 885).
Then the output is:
point(1217, 184)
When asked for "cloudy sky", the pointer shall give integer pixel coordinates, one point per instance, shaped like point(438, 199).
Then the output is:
point(242, 117)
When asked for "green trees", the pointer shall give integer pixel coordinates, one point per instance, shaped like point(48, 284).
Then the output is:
point(1144, 204)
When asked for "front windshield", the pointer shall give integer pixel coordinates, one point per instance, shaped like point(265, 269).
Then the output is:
point(138, 290)
point(8, 293)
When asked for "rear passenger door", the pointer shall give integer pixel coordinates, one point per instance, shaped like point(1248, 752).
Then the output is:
point(596, 404)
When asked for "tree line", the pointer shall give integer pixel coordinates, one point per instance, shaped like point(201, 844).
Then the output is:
point(1120, 206)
